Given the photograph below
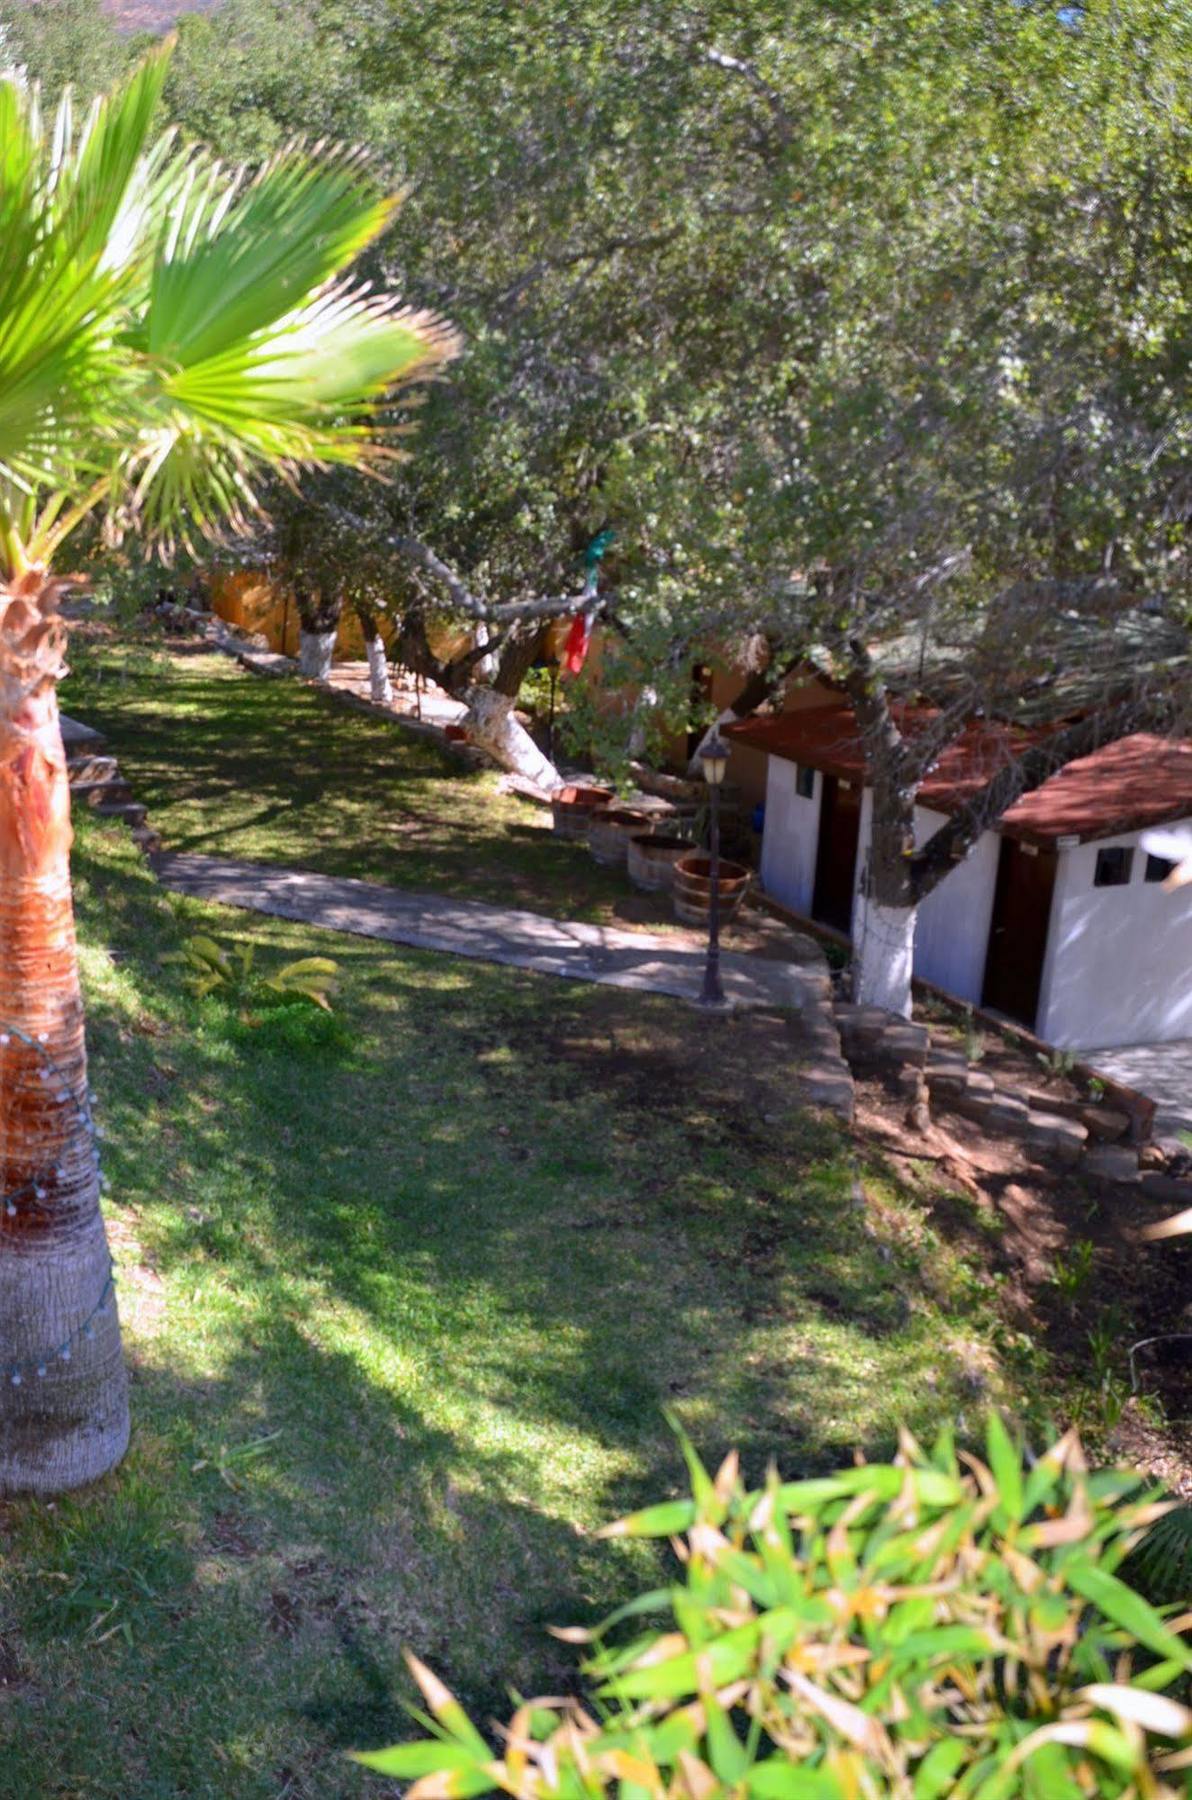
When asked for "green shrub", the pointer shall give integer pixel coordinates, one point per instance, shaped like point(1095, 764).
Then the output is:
point(932, 1627)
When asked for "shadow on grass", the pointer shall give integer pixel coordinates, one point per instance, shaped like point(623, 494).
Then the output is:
point(408, 1292)
point(274, 771)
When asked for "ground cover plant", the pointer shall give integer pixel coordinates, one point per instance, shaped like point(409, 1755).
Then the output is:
point(406, 1289)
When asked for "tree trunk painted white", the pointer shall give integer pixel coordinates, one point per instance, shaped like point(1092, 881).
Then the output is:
point(487, 666)
point(643, 706)
point(63, 1390)
point(380, 687)
point(883, 954)
point(315, 650)
point(491, 724)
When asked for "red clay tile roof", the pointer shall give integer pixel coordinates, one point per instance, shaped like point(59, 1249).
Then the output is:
point(1139, 781)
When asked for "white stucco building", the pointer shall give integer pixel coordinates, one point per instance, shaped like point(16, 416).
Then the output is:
point(1058, 918)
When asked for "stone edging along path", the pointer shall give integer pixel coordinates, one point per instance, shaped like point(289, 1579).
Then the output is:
point(644, 962)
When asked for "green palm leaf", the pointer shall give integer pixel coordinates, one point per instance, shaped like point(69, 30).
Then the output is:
point(168, 328)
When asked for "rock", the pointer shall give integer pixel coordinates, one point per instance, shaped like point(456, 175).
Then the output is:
point(830, 1086)
point(1104, 1123)
point(1171, 1190)
point(1063, 1139)
point(910, 1083)
point(1150, 1156)
point(1112, 1162)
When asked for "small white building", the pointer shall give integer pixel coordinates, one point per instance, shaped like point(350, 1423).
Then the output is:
point(1057, 919)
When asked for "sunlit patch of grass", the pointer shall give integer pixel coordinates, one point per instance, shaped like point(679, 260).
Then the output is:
point(424, 1284)
point(275, 771)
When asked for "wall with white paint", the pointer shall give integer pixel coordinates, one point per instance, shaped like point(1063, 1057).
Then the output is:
point(952, 935)
point(1119, 959)
point(790, 836)
point(1118, 968)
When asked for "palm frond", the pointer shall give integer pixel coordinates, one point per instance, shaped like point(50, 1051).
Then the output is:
point(235, 258)
point(63, 277)
point(1161, 1565)
point(168, 328)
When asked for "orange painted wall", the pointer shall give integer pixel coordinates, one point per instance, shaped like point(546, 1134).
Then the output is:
point(253, 601)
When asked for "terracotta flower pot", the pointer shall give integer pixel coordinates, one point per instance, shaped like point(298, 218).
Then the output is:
point(572, 809)
point(693, 888)
point(651, 860)
point(610, 832)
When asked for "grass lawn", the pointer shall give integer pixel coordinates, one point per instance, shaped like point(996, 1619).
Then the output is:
point(405, 1295)
point(230, 764)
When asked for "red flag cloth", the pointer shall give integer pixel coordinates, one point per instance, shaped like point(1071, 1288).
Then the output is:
point(576, 647)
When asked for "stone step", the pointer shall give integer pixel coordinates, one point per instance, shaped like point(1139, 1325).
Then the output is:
point(87, 765)
point(940, 1057)
point(1102, 1122)
point(1058, 1137)
point(1113, 1162)
point(77, 736)
point(946, 1081)
point(1010, 1114)
point(131, 811)
point(97, 793)
point(827, 1083)
point(972, 1105)
point(146, 839)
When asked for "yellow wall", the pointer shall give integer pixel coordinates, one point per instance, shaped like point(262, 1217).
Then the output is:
point(253, 601)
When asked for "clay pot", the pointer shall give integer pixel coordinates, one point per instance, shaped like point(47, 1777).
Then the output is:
point(610, 832)
point(572, 809)
point(651, 860)
point(693, 888)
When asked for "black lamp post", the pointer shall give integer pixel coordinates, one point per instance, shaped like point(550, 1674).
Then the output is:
point(713, 757)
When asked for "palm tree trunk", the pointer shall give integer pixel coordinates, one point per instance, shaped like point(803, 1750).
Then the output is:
point(63, 1390)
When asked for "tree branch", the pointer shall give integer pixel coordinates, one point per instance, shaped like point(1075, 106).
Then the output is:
point(736, 65)
point(1023, 774)
point(463, 600)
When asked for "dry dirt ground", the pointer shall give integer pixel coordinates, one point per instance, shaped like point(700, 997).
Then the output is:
point(1131, 1292)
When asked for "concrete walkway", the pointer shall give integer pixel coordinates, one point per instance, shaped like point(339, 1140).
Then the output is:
point(1163, 1072)
point(640, 960)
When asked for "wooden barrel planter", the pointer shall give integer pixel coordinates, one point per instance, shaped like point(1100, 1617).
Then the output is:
point(651, 860)
point(693, 888)
point(610, 831)
point(572, 809)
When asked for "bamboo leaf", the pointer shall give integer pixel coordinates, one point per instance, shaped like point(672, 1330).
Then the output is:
point(779, 1779)
point(1127, 1609)
point(1006, 1464)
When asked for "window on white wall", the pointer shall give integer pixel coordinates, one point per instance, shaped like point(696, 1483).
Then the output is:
point(1158, 868)
point(1113, 867)
point(804, 782)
